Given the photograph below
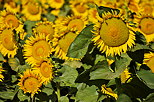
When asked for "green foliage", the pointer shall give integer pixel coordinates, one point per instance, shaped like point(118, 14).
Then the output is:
point(80, 45)
point(69, 76)
point(81, 81)
point(123, 98)
point(103, 71)
point(147, 78)
point(88, 94)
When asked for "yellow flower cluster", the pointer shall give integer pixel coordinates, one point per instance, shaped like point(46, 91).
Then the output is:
point(113, 32)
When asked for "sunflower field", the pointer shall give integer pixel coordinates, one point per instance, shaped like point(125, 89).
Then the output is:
point(76, 50)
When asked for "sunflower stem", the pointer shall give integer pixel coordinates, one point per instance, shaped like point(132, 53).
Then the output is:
point(32, 99)
point(58, 91)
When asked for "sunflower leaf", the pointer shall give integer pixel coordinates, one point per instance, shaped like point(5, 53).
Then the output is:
point(1, 57)
point(22, 96)
point(64, 99)
point(150, 98)
point(9, 94)
point(103, 72)
point(69, 76)
point(89, 94)
point(147, 78)
point(123, 98)
point(139, 47)
point(79, 47)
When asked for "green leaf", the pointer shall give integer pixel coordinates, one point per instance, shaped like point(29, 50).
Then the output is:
point(22, 96)
point(22, 68)
point(147, 77)
point(69, 76)
point(123, 98)
point(149, 98)
point(50, 17)
point(103, 71)
point(140, 38)
point(48, 91)
point(9, 94)
point(85, 66)
point(111, 82)
point(99, 58)
point(14, 78)
point(1, 57)
point(64, 99)
point(14, 63)
point(102, 97)
point(139, 47)
point(89, 94)
point(73, 64)
point(79, 46)
point(102, 9)
point(29, 25)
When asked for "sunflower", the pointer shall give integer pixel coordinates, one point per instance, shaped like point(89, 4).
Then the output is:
point(112, 35)
point(108, 91)
point(1, 76)
point(79, 7)
point(93, 15)
point(45, 71)
point(148, 60)
point(146, 7)
point(11, 20)
point(61, 43)
point(45, 27)
point(107, 3)
point(55, 12)
point(72, 23)
point(30, 82)
point(56, 3)
point(32, 11)
point(8, 44)
point(145, 25)
point(133, 5)
point(12, 6)
point(37, 49)
point(125, 76)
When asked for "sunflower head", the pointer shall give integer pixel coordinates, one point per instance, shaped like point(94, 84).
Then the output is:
point(37, 49)
point(133, 5)
point(108, 91)
point(12, 6)
point(45, 71)
point(113, 35)
point(148, 60)
point(11, 20)
point(30, 82)
point(72, 23)
point(8, 45)
point(79, 7)
point(61, 43)
point(93, 15)
point(125, 76)
point(145, 24)
point(32, 11)
point(46, 28)
point(147, 7)
point(56, 3)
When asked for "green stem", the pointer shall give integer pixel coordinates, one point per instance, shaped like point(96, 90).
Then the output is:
point(58, 91)
point(32, 98)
